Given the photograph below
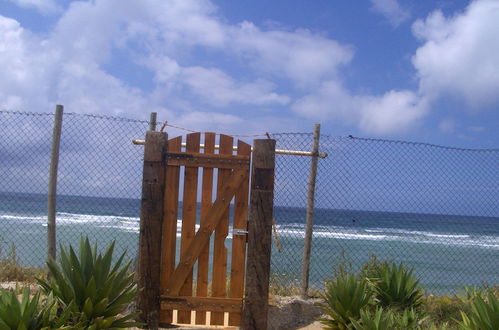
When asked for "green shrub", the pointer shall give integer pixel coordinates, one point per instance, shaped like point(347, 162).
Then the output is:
point(396, 287)
point(344, 299)
point(442, 310)
point(379, 320)
point(91, 287)
point(382, 319)
point(408, 319)
point(29, 313)
point(373, 268)
point(484, 314)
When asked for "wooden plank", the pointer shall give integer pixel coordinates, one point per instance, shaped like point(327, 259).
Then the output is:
point(220, 206)
point(219, 278)
point(151, 217)
point(206, 202)
point(170, 216)
point(193, 159)
point(238, 258)
point(205, 304)
point(255, 308)
point(189, 208)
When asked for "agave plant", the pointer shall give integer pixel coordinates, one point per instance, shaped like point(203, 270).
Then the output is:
point(379, 320)
point(382, 319)
point(15, 314)
point(93, 289)
point(406, 320)
point(484, 314)
point(397, 287)
point(344, 299)
point(29, 312)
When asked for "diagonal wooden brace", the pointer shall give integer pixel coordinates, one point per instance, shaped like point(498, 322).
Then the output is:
point(203, 235)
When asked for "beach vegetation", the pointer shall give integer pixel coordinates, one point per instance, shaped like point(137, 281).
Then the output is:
point(92, 287)
point(26, 311)
point(377, 320)
point(344, 298)
point(12, 271)
point(381, 319)
point(484, 313)
point(396, 287)
point(396, 301)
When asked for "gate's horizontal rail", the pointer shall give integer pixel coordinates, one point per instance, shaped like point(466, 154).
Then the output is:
point(205, 304)
point(195, 159)
point(277, 151)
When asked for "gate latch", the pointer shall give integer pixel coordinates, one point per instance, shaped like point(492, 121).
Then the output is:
point(239, 232)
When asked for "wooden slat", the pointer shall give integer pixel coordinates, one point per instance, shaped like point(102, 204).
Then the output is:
point(204, 304)
point(192, 159)
point(189, 208)
point(219, 250)
point(238, 258)
point(214, 216)
point(206, 198)
point(170, 216)
point(151, 216)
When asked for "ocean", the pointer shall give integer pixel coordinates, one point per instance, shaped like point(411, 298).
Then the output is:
point(447, 252)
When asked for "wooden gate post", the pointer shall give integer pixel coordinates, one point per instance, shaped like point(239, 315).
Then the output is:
point(255, 308)
point(151, 216)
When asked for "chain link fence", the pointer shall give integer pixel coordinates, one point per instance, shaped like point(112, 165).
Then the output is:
point(98, 186)
point(433, 208)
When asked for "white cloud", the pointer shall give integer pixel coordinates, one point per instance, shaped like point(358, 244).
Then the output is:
point(391, 113)
point(265, 66)
point(217, 88)
point(460, 54)
point(22, 77)
point(43, 6)
point(304, 57)
point(391, 10)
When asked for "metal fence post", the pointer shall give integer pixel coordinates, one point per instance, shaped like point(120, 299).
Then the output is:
point(310, 212)
point(52, 188)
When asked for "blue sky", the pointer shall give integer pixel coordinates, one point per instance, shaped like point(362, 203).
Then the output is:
point(413, 70)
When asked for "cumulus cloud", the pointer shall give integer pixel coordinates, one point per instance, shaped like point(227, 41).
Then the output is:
point(393, 112)
point(301, 56)
point(171, 38)
point(460, 54)
point(394, 13)
point(217, 88)
point(22, 74)
point(43, 6)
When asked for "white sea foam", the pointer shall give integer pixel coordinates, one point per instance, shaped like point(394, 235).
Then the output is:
point(391, 234)
point(295, 230)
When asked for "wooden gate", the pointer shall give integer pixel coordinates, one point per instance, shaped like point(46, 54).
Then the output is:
point(198, 277)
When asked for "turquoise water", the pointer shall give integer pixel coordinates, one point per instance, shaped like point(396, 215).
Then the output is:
point(447, 252)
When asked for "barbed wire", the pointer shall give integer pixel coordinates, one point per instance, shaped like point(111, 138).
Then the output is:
point(114, 118)
point(27, 113)
point(165, 123)
point(420, 144)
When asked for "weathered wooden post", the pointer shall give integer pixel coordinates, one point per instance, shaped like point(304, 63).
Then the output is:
point(52, 188)
point(151, 216)
point(310, 213)
point(255, 308)
point(152, 121)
